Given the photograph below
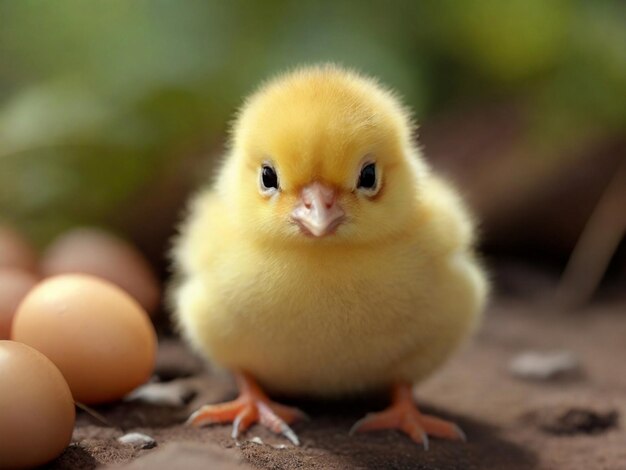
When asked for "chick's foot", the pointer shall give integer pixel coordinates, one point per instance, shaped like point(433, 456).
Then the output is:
point(252, 406)
point(404, 416)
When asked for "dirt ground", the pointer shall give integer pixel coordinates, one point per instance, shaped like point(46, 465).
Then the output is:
point(511, 423)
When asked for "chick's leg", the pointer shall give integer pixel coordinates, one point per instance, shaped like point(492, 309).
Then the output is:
point(403, 415)
point(252, 406)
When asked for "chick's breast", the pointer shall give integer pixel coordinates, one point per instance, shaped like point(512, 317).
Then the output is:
point(334, 322)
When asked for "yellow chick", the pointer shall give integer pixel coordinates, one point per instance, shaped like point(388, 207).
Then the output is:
point(326, 259)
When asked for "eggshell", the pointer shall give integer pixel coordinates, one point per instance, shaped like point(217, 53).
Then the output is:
point(36, 408)
point(14, 285)
point(96, 252)
point(15, 251)
point(97, 335)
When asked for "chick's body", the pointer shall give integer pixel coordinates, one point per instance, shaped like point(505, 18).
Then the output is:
point(384, 299)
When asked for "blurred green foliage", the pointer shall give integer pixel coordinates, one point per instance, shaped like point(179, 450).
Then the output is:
point(98, 97)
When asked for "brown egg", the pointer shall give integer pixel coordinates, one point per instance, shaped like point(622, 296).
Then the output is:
point(97, 335)
point(15, 251)
point(92, 251)
point(36, 408)
point(14, 285)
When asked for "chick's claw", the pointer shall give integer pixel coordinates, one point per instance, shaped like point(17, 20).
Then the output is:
point(252, 406)
point(211, 414)
point(404, 416)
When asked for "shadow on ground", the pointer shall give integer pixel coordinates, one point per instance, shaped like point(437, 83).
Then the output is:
point(327, 444)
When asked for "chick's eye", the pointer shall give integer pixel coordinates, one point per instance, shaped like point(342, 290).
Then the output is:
point(367, 177)
point(269, 178)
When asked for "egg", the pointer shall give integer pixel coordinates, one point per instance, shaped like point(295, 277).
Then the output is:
point(96, 252)
point(15, 251)
point(14, 285)
point(98, 336)
point(37, 412)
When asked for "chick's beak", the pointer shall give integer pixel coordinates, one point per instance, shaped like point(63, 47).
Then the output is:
point(318, 213)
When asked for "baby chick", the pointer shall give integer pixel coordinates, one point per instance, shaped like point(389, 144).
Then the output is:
point(326, 259)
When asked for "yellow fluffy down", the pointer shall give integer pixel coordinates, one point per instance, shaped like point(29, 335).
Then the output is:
point(387, 298)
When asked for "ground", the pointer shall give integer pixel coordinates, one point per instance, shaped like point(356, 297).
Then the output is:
point(511, 423)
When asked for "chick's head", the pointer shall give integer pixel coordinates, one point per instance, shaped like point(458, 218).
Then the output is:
point(322, 156)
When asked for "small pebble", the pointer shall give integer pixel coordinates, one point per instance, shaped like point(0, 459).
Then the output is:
point(533, 365)
point(259, 441)
point(174, 393)
point(136, 439)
